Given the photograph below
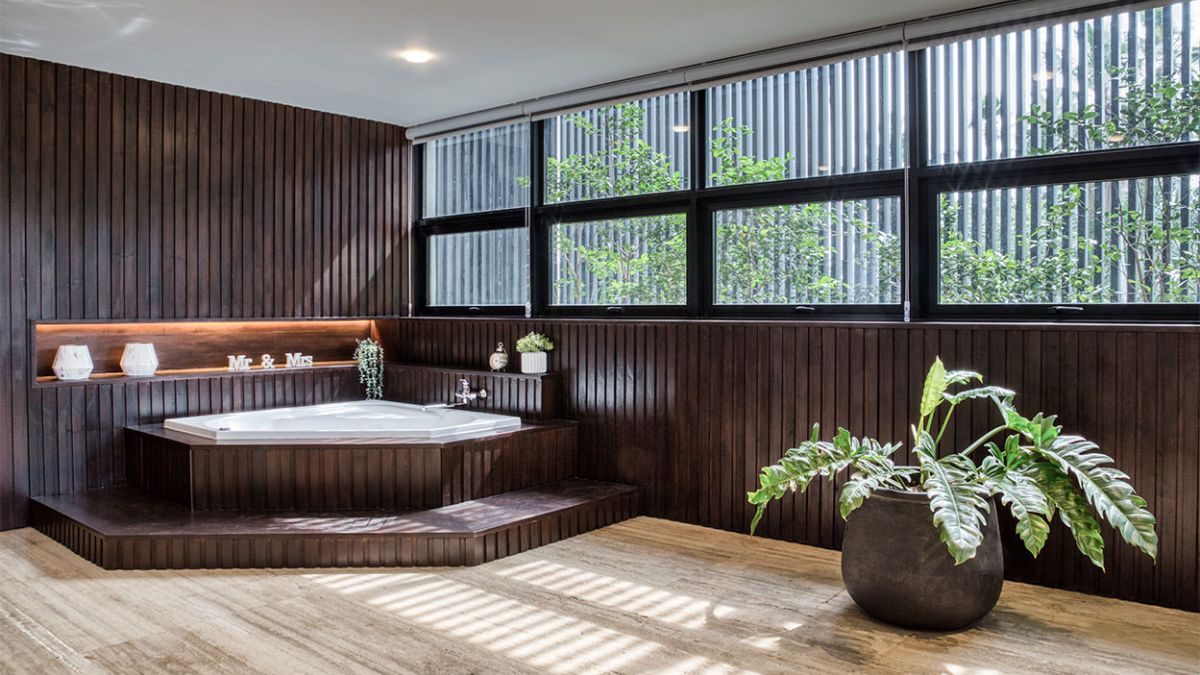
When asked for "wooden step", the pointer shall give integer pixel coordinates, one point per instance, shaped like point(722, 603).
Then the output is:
point(119, 528)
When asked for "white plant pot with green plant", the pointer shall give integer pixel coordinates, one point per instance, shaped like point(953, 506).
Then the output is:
point(533, 348)
point(925, 554)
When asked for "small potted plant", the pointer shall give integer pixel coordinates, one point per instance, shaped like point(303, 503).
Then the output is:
point(369, 355)
point(921, 546)
point(533, 348)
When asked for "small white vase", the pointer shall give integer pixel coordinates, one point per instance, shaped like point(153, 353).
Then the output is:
point(534, 363)
point(139, 360)
point(72, 362)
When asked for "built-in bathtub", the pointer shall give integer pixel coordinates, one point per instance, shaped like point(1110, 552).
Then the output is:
point(384, 420)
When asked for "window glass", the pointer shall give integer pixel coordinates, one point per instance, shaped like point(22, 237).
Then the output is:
point(488, 267)
point(838, 118)
point(621, 261)
point(1122, 241)
point(1127, 79)
point(816, 253)
point(485, 170)
point(634, 148)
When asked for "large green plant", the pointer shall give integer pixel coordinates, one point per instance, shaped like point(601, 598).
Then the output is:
point(1036, 471)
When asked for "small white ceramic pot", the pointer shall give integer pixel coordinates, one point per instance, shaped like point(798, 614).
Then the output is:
point(139, 360)
point(534, 363)
point(72, 362)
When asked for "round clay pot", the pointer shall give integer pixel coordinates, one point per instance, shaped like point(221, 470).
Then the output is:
point(896, 569)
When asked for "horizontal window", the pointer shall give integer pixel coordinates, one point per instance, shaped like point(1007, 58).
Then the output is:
point(622, 261)
point(1122, 241)
point(839, 118)
point(1123, 80)
point(485, 170)
point(820, 253)
point(487, 267)
point(634, 148)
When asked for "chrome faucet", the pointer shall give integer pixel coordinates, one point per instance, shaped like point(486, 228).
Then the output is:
point(465, 394)
point(462, 396)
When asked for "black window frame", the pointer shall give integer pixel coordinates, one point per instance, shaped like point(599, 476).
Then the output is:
point(918, 185)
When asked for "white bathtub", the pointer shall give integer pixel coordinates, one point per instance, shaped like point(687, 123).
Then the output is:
point(341, 421)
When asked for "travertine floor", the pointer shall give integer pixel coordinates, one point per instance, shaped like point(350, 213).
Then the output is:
point(643, 596)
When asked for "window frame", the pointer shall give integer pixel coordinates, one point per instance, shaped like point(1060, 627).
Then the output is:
point(917, 185)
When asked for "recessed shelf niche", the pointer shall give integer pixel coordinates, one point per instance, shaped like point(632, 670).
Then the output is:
point(190, 348)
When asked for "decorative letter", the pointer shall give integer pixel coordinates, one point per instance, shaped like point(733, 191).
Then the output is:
point(268, 363)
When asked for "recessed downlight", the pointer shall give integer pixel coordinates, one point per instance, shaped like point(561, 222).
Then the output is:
point(415, 55)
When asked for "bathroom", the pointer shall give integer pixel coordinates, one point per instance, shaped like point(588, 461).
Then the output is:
point(356, 316)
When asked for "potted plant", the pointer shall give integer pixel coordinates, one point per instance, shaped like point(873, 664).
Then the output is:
point(369, 355)
point(533, 348)
point(921, 546)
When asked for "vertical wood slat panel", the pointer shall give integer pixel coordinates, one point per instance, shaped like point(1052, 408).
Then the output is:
point(690, 412)
point(127, 199)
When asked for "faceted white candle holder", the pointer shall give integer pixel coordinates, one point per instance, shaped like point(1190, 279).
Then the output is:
point(72, 362)
point(139, 360)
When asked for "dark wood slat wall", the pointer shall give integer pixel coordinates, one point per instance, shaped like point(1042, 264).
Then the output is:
point(531, 397)
point(690, 410)
point(125, 199)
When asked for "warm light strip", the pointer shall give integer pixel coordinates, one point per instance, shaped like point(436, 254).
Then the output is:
point(169, 327)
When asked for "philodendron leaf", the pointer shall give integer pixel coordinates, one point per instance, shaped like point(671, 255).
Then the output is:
point(1106, 487)
point(959, 504)
point(875, 471)
point(1073, 510)
point(1029, 507)
point(935, 386)
point(962, 377)
point(979, 392)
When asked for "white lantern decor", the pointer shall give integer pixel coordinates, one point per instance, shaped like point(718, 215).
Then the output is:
point(72, 362)
point(139, 360)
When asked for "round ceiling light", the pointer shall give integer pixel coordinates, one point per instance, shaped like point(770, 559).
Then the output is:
point(415, 55)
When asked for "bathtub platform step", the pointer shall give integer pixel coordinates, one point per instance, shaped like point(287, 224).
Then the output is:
point(120, 528)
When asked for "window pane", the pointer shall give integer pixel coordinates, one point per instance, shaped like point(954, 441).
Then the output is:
point(490, 267)
point(1128, 79)
point(1126, 241)
point(819, 253)
point(838, 118)
point(633, 148)
point(485, 170)
point(624, 261)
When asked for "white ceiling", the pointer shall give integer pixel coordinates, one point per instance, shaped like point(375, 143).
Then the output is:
point(335, 55)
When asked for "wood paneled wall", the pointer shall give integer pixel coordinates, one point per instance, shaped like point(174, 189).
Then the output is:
point(690, 410)
point(531, 397)
point(126, 199)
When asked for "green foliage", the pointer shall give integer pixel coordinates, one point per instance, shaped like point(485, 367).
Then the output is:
point(775, 254)
point(534, 342)
point(369, 355)
point(1163, 111)
point(959, 502)
point(1142, 245)
point(1037, 473)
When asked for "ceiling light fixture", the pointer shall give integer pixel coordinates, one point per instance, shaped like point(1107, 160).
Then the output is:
point(680, 128)
point(415, 55)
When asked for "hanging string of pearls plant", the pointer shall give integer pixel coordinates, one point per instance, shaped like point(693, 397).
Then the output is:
point(369, 355)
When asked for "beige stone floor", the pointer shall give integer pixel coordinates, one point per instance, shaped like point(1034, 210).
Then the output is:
point(643, 596)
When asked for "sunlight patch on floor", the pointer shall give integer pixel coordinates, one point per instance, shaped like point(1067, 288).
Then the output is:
point(628, 596)
point(539, 637)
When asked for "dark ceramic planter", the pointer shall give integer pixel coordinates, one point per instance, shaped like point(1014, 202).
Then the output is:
point(896, 569)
